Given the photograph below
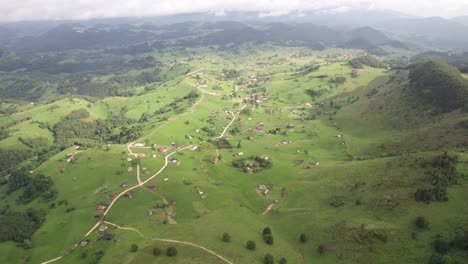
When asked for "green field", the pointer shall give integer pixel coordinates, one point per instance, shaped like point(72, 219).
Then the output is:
point(353, 194)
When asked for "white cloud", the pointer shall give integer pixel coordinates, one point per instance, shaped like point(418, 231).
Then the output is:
point(16, 10)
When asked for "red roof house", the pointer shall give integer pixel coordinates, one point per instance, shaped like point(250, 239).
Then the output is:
point(128, 194)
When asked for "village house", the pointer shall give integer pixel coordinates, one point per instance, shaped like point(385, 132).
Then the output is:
point(151, 186)
point(83, 243)
point(151, 212)
point(128, 195)
point(117, 239)
point(129, 159)
point(101, 208)
point(129, 169)
point(264, 189)
point(154, 155)
point(162, 150)
point(103, 228)
point(144, 170)
point(194, 148)
point(124, 184)
point(165, 179)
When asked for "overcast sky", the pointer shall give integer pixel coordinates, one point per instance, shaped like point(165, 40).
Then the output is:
point(19, 10)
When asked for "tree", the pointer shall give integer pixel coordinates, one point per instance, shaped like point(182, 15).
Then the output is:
point(421, 222)
point(134, 248)
point(268, 259)
point(283, 261)
point(441, 246)
point(226, 237)
point(321, 249)
point(303, 238)
point(171, 252)
point(267, 231)
point(268, 238)
point(251, 245)
point(437, 259)
point(239, 145)
point(156, 251)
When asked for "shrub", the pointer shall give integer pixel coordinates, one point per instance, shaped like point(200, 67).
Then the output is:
point(421, 222)
point(268, 238)
point(251, 245)
point(283, 261)
point(134, 248)
point(441, 246)
point(171, 252)
point(321, 249)
point(436, 259)
point(156, 251)
point(303, 238)
point(268, 259)
point(226, 237)
point(267, 231)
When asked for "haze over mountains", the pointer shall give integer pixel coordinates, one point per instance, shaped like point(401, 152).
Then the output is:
point(361, 28)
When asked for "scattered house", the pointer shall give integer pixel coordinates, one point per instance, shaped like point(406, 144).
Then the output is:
point(194, 148)
point(154, 155)
point(175, 161)
point(172, 202)
point(165, 179)
point(130, 169)
point(103, 228)
point(117, 239)
point(309, 166)
point(162, 150)
point(69, 154)
point(264, 189)
point(139, 144)
point(284, 142)
point(240, 154)
point(106, 236)
point(197, 130)
point(151, 212)
point(151, 186)
point(124, 184)
point(129, 159)
point(70, 159)
point(144, 170)
point(101, 208)
point(203, 196)
point(128, 194)
point(298, 162)
point(339, 136)
point(83, 243)
point(215, 160)
point(317, 163)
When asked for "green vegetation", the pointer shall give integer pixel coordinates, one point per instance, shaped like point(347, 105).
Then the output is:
point(371, 61)
point(439, 85)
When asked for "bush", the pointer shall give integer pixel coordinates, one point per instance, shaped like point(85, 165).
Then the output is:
point(267, 231)
point(171, 252)
point(441, 246)
point(251, 245)
point(134, 248)
point(436, 259)
point(303, 238)
point(268, 238)
point(321, 249)
point(268, 259)
point(283, 261)
point(226, 237)
point(421, 222)
point(156, 251)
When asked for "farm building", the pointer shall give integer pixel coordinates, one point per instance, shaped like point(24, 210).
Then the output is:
point(101, 208)
point(128, 194)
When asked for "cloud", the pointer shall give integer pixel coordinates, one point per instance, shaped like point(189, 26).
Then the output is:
point(19, 10)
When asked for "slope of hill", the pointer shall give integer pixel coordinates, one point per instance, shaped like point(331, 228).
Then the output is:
point(439, 84)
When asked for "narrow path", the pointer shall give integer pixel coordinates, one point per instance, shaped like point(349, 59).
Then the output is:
point(194, 245)
point(230, 123)
point(193, 72)
point(124, 228)
point(138, 172)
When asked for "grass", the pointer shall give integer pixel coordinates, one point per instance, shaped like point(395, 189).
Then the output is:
point(384, 186)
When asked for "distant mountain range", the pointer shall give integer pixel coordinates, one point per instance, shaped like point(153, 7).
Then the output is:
point(361, 29)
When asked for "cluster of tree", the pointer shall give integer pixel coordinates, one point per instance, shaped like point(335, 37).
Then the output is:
point(439, 85)
point(337, 80)
point(74, 128)
point(267, 236)
point(443, 246)
point(34, 186)
point(230, 74)
point(178, 104)
point(315, 93)
point(253, 164)
point(306, 69)
point(20, 226)
point(443, 172)
point(371, 61)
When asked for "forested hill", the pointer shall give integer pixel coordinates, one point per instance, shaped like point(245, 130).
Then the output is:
point(439, 84)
